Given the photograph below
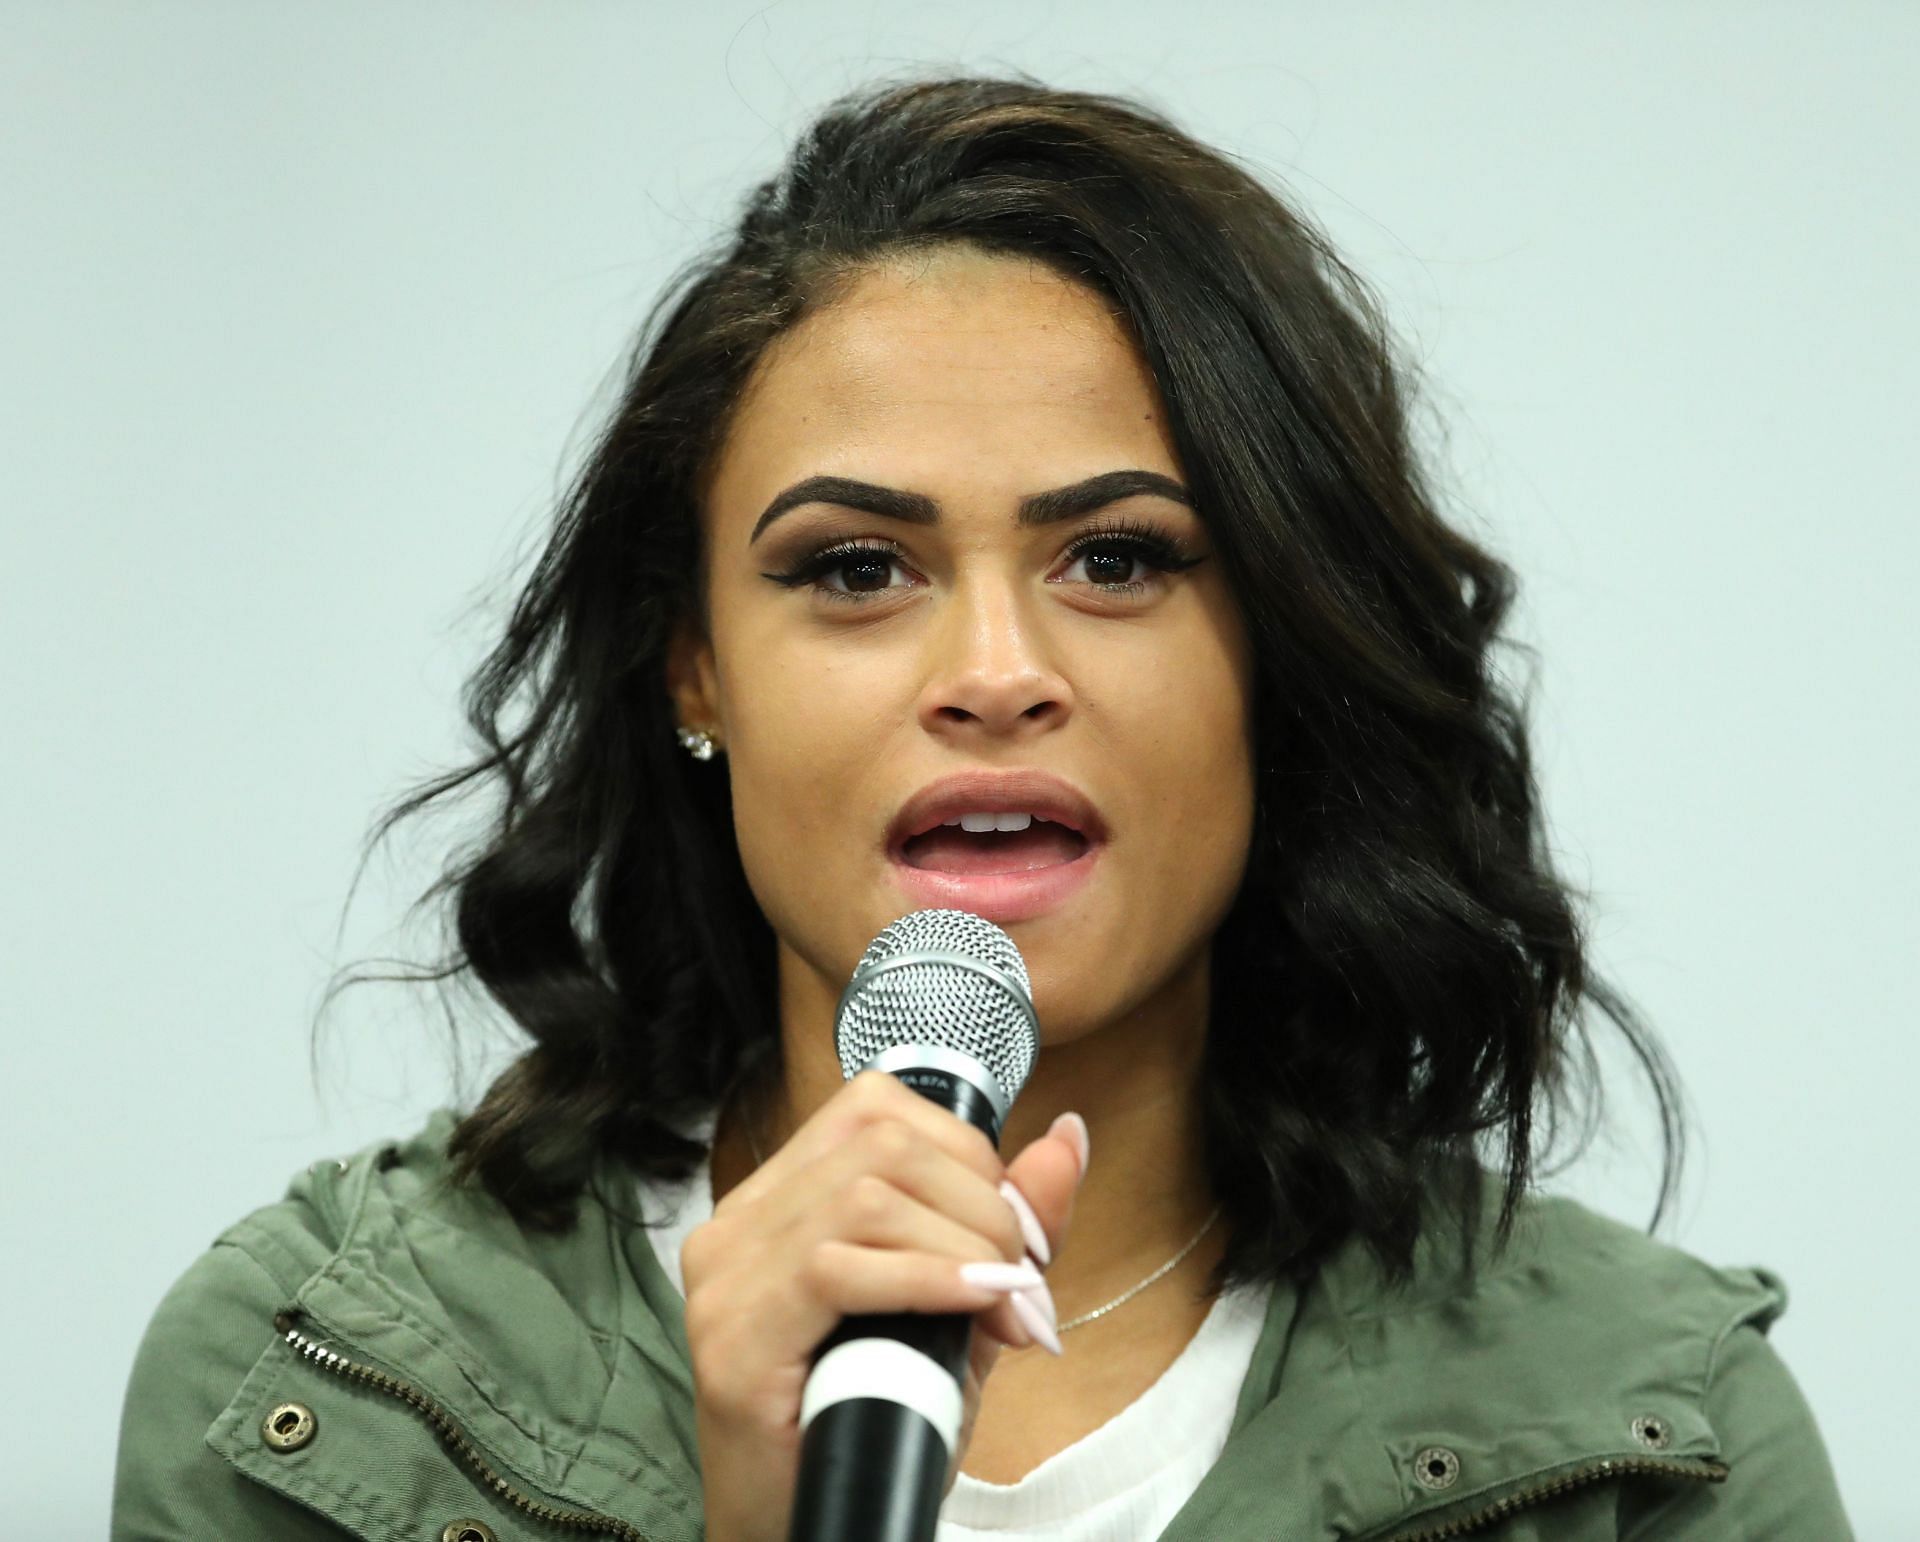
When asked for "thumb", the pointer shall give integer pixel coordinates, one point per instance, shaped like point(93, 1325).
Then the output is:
point(1048, 1173)
point(1046, 1176)
point(982, 1352)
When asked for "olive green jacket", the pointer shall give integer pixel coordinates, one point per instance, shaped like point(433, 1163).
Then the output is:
point(380, 1355)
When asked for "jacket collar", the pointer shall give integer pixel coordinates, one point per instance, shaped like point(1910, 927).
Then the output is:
point(1367, 1410)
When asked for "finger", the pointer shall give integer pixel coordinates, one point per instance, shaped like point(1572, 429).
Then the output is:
point(1047, 1172)
point(888, 1160)
point(868, 1098)
point(918, 1197)
point(844, 1278)
point(982, 1352)
point(872, 1211)
point(1002, 1324)
point(830, 1282)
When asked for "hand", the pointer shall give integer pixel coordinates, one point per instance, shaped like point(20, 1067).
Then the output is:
point(871, 1206)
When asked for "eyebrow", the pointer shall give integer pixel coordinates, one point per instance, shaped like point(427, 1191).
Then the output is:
point(917, 508)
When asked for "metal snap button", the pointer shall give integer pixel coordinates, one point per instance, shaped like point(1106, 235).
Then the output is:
point(289, 1427)
point(1436, 1467)
point(1652, 1430)
point(467, 1531)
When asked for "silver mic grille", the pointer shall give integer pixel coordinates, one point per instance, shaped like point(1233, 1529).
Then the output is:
point(945, 978)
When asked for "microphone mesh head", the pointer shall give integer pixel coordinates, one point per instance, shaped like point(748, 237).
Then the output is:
point(949, 1000)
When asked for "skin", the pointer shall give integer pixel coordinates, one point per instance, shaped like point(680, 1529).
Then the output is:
point(978, 379)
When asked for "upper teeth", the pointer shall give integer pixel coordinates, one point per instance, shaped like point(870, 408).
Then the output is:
point(980, 822)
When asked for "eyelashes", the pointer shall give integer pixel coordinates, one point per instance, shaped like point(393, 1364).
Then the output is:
point(1139, 540)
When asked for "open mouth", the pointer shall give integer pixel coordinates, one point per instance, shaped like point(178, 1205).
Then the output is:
point(950, 849)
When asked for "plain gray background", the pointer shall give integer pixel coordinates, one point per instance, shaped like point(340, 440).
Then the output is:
point(306, 312)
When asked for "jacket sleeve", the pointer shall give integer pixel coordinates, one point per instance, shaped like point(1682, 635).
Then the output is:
point(1780, 1483)
point(169, 1485)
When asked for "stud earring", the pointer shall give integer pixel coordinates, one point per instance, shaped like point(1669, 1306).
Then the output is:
point(696, 743)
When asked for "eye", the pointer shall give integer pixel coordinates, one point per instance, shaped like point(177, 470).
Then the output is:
point(1109, 551)
point(1113, 549)
point(865, 563)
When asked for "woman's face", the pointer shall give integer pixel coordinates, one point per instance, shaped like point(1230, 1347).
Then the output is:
point(969, 383)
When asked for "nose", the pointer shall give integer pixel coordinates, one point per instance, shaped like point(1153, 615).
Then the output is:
point(990, 671)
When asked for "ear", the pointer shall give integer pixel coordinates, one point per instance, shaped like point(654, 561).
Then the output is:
point(693, 684)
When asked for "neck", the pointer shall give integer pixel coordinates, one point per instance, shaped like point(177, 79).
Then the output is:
point(1135, 1078)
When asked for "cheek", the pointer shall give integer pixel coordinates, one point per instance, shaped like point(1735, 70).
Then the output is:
point(802, 745)
point(1187, 739)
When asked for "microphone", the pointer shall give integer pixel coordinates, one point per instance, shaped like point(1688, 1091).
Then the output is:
point(940, 999)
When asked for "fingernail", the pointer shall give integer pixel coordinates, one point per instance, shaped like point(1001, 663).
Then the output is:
point(1035, 1322)
point(1002, 1276)
point(1041, 1297)
point(1075, 1129)
point(1030, 1226)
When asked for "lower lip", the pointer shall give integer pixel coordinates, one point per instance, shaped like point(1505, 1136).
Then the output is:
point(999, 897)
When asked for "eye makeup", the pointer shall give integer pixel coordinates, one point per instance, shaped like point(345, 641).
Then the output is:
point(1123, 539)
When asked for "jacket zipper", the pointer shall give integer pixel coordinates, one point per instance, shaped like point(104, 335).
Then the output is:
point(340, 1365)
point(1707, 1471)
point(1703, 1470)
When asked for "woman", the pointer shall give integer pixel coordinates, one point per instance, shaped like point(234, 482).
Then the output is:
point(1026, 491)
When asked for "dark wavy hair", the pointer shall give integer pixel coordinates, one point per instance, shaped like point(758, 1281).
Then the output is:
point(1399, 982)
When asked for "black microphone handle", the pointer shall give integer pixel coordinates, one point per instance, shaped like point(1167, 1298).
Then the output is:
point(873, 1468)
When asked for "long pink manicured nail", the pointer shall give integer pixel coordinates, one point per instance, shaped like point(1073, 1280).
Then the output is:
point(1042, 1298)
point(999, 1276)
point(1030, 1227)
point(1035, 1321)
point(1075, 1129)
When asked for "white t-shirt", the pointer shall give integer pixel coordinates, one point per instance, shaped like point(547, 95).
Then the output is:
point(1121, 1483)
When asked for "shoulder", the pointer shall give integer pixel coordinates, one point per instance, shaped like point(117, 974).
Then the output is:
point(336, 1201)
point(1564, 1268)
point(216, 1320)
point(330, 1205)
point(1576, 1260)
point(1781, 1481)
point(1582, 1318)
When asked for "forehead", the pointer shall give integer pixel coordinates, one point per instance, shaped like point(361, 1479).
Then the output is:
point(920, 367)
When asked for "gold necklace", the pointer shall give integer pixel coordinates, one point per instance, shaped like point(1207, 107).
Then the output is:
point(1084, 1317)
